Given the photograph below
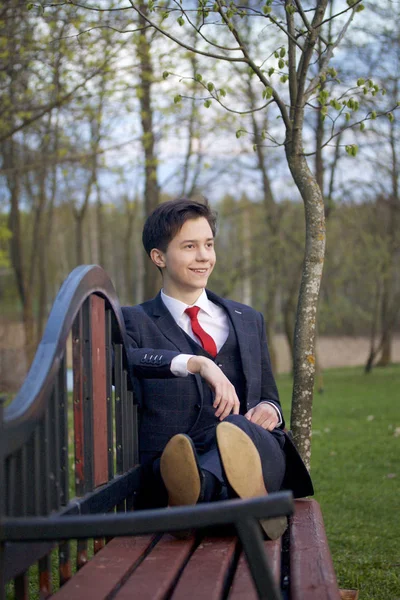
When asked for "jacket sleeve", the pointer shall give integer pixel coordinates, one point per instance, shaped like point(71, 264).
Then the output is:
point(145, 362)
point(269, 391)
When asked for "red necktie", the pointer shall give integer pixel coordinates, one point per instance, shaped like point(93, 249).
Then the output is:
point(206, 340)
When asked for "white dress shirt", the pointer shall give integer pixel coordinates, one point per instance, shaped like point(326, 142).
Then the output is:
point(212, 318)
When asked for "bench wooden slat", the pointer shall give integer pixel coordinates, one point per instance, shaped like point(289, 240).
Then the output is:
point(312, 575)
point(107, 569)
point(205, 574)
point(154, 577)
point(243, 587)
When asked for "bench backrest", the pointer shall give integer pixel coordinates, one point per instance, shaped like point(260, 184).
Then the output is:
point(69, 453)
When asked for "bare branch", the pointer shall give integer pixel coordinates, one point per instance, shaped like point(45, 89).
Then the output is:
point(180, 42)
point(328, 56)
point(256, 69)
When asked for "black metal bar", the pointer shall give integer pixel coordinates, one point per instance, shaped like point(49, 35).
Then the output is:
point(125, 424)
point(2, 574)
point(63, 436)
point(135, 431)
point(21, 586)
point(146, 521)
point(38, 490)
point(30, 482)
point(54, 445)
point(118, 406)
point(45, 480)
point(110, 420)
point(13, 487)
point(87, 396)
point(24, 480)
point(249, 532)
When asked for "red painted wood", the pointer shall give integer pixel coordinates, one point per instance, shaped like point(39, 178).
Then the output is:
point(107, 570)
point(81, 553)
point(98, 544)
point(243, 587)
point(77, 366)
point(45, 577)
point(98, 334)
point(312, 575)
point(64, 566)
point(153, 579)
point(205, 574)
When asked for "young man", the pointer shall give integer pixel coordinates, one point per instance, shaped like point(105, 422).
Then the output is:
point(211, 423)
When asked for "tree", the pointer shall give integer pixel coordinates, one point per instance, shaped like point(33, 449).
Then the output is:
point(290, 82)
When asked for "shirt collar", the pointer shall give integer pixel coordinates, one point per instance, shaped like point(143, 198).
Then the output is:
point(177, 308)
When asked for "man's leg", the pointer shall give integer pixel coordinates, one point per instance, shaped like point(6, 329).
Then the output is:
point(271, 454)
point(253, 463)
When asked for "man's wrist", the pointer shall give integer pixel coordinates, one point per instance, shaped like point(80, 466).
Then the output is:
point(278, 412)
point(179, 365)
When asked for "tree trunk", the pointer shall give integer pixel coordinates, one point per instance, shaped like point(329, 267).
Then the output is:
point(305, 328)
point(151, 188)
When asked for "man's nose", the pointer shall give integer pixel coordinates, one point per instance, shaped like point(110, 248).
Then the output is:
point(202, 254)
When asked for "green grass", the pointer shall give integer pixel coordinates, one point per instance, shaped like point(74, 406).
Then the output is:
point(356, 473)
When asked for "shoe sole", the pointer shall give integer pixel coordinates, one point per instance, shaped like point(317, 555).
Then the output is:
point(242, 466)
point(180, 472)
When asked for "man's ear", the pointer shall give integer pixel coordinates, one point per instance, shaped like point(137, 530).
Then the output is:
point(157, 257)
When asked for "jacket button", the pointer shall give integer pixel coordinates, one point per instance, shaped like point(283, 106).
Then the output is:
point(220, 365)
point(197, 406)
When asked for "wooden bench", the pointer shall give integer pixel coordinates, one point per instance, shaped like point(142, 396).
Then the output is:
point(55, 446)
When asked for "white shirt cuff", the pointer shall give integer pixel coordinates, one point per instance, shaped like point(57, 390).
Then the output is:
point(179, 365)
point(277, 411)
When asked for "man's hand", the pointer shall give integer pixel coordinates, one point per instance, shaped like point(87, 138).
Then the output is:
point(226, 400)
point(263, 414)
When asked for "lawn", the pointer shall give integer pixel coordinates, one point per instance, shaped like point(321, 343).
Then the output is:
point(356, 474)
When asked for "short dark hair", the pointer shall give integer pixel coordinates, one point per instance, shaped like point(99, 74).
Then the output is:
point(168, 218)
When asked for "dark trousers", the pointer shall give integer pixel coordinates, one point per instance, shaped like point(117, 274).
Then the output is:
point(269, 445)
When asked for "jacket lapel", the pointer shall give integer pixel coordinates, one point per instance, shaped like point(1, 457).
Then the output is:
point(171, 330)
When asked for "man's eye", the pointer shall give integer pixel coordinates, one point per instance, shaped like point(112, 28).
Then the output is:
point(189, 246)
point(210, 245)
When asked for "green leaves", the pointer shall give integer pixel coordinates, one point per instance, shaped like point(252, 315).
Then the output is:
point(267, 93)
point(352, 149)
point(210, 86)
point(323, 97)
point(198, 77)
point(165, 74)
point(177, 99)
point(290, 9)
point(181, 21)
point(207, 103)
point(335, 104)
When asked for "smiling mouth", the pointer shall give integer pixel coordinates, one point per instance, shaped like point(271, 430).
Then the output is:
point(200, 271)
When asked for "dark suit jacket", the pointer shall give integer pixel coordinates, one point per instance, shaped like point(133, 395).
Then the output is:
point(169, 404)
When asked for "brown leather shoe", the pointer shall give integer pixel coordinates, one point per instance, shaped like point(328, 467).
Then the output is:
point(243, 470)
point(180, 471)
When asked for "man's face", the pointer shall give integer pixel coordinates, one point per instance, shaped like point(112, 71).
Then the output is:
point(188, 260)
